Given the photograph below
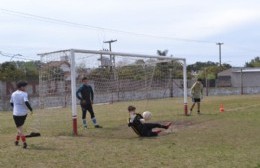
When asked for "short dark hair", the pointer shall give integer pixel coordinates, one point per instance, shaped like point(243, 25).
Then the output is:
point(21, 84)
point(84, 78)
point(199, 79)
point(131, 108)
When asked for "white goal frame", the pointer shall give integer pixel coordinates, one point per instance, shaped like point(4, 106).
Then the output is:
point(73, 74)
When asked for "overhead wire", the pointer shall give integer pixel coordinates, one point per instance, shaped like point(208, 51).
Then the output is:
point(17, 56)
point(65, 22)
point(102, 29)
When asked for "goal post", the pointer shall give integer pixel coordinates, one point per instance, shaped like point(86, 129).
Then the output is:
point(185, 89)
point(73, 93)
point(115, 76)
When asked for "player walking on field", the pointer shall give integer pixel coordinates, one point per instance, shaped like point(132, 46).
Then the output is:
point(196, 95)
point(19, 101)
point(86, 96)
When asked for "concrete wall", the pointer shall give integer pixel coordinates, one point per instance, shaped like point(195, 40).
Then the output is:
point(233, 91)
point(64, 99)
point(6, 89)
point(249, 79)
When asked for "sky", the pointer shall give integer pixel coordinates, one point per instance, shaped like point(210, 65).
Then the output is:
point(186, 28)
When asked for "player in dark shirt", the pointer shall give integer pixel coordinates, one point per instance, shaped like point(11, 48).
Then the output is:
point(86, 96)
point(137, 122)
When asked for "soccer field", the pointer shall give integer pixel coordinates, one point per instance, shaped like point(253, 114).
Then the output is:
point(212, 139)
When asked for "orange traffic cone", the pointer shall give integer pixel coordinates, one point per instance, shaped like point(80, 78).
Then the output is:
point(221, 108)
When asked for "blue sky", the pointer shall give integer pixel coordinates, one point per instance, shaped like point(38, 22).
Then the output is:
point(187, 28)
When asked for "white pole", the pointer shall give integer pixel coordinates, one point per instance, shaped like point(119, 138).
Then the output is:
point(185, 88)
point(115, 53)
point(73, 92)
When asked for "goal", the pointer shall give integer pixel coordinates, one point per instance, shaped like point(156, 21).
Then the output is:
point(114, 77)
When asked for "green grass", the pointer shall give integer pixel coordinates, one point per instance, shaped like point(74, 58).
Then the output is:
point(213, 139)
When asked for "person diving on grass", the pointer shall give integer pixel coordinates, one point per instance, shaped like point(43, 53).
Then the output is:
point(143, 129)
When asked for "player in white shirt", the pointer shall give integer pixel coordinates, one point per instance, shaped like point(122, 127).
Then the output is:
point(19, 101)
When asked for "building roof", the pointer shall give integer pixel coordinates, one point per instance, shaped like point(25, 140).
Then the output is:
point(228, 72)
point(248, 70)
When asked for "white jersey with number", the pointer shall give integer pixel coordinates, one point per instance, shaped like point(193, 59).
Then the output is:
point(18, 99)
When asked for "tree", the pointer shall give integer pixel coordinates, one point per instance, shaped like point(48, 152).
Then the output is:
point(139, 62)
point(207, 69)
point(31, 70)
point(166, 69)
point(210, 72)
point(201, 65)
point(19, 70)
point(253, 63)
point(10, 72)
point(100, 73)
point(162, 53)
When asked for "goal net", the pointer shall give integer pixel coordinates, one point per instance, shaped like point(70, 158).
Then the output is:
point(115, 77)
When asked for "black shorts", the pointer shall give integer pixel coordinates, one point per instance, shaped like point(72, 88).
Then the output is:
point(19, 120)
point(195, 100)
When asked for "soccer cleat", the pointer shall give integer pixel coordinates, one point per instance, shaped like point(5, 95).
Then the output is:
point(98, 126)
point(16, 143)
point(24, 145)
point(168, 125)
point(190, 112)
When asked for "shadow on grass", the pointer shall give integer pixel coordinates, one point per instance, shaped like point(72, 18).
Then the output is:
point(124, 132)
point(36, 147)
point(119, 132)
point(195, 114)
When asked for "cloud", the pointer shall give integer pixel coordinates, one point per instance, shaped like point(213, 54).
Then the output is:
point(204, 25)
point(180, 19)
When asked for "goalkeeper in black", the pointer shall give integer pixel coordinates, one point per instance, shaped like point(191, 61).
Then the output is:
point(86, 96)
point(137, 122)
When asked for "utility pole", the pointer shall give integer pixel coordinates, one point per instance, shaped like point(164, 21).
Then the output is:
point(112, 62)
point(219, 45)
point(242, 83)
point(109, 42)
point(206, 81)
point(110, 49)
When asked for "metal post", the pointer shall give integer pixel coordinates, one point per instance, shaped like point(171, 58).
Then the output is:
point(185, 88)
point(73, 93)
point(112, 58)
point(171, 83)
point(241, 78)
point(206, 81)
point(219, 44)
